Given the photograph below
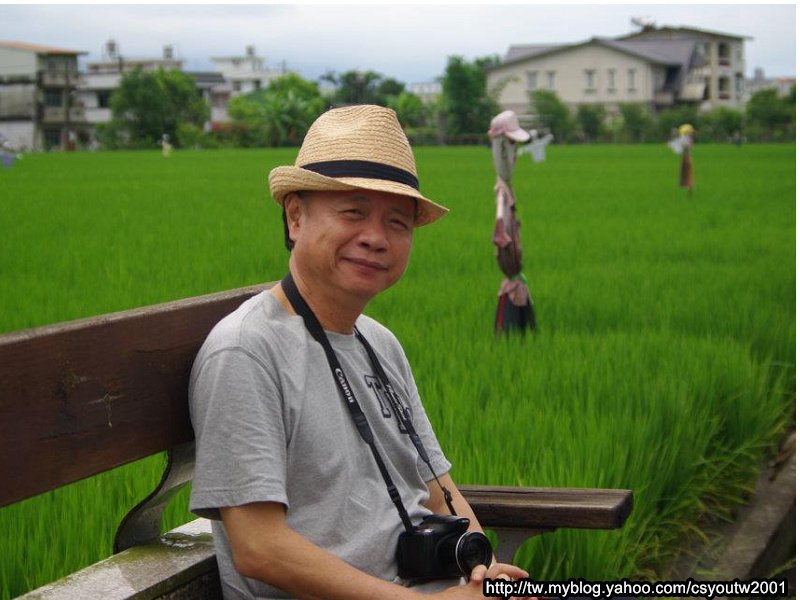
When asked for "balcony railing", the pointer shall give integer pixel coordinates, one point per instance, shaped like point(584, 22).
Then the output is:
point(58, 114)
point(10, 112)
point(664, 98)
point(61, 79)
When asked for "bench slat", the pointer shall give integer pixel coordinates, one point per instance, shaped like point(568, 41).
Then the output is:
point(549, 508)
point(83, 397)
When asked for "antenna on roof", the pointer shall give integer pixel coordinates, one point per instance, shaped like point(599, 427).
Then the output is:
point(644, 22)
point(111, 49)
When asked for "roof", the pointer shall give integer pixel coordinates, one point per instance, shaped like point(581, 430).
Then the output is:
point(242, 58)
point(665, 52)
point(206, 77)
point(684, 29)
point(662, 52)
point(516, 51)
point(39, 49)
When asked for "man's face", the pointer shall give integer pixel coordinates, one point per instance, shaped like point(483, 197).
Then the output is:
point(355, 243)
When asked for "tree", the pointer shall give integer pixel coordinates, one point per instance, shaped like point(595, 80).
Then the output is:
point(389, 88)
point(668, 120)
point(770, 116)
point(279, 114)
point(363, 87)
point(552, 114)
point(590, 119)
point(411, 112)
point(465, 99)
point(721, 123)
point(149, 104)
point(636, 121)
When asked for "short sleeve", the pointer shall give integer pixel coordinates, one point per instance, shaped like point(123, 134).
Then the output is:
point(237, 415)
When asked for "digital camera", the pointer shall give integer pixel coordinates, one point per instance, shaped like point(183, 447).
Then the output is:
point(440, 547)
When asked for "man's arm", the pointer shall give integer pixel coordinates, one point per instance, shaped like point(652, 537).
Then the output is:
point(266, 548)
point(437, 504)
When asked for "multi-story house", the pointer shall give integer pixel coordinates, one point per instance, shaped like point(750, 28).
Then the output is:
point(246, 73)
point(427, 91)
point(782, 85)
point(39, 108)
point(102, 77)
point(659, 67)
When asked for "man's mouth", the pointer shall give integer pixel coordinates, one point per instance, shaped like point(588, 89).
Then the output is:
point(367, 264)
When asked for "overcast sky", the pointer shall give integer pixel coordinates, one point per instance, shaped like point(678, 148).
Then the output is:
point(410, 42)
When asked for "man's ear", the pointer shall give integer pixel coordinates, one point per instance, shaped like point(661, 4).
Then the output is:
point(293, 208)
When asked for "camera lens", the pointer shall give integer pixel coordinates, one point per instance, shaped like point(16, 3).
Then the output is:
point(473, 549)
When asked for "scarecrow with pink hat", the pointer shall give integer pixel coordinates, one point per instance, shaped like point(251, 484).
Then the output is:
point(514, 305)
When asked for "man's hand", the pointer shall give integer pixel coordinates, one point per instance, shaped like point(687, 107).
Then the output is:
point(474, 587)
point(497, 571)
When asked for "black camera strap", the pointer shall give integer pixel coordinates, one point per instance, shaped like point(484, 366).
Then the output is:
point(345, 391)
point(403, 416)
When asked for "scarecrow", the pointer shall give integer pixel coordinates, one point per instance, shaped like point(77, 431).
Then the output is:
point(682, 145)
point(166, 147)
point(514, 305)
point(7, 153)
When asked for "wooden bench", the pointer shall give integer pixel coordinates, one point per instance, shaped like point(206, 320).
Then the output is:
point(83, 397)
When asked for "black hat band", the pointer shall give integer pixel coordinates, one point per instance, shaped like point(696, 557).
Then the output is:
point(363, 168)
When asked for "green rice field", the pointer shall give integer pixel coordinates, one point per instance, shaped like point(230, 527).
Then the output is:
point(664, 361)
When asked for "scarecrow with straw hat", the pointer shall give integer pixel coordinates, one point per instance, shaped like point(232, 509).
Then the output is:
point(514, 304)
point(305, 410)
point(682, 145)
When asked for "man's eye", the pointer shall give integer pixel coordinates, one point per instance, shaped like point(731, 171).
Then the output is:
point(399, 224)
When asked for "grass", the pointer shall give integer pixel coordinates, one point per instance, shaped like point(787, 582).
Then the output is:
point(664, 362)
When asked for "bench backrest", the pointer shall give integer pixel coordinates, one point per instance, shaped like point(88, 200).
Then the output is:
point(83, 397)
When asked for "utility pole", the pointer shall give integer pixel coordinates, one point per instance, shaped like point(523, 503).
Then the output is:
point(67, 102)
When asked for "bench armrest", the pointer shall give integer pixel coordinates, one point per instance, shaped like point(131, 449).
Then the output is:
point(517, 513)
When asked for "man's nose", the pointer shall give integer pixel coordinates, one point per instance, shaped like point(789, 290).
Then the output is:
point(373, 233)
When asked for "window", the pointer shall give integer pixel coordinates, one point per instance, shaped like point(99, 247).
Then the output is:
point(257, 84)
point(533, 80)
point(104, 99)
point(739, 83)
point(590, 85)
point(724, 88)
point(551, 80)
point(52, 138)
point(631, 80)
point(237, 86)
point(612, 76)
point(53, 99)
point(724, 54)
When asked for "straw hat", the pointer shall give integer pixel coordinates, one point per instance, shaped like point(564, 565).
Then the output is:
point(355, 147)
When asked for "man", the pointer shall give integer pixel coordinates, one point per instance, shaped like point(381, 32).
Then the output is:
point(303, 502)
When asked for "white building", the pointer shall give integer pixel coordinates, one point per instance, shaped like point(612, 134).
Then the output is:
point(660, 67)
point(428, 91)
point(783, 85)
point(247, 73)
point(103, 77)
point(38, 105)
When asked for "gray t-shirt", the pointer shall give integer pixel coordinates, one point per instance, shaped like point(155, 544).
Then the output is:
point(270, 425)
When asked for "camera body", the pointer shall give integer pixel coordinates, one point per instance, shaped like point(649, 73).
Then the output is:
point(440, 547)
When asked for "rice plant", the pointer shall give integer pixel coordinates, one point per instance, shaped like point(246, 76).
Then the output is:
point(664, 360)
